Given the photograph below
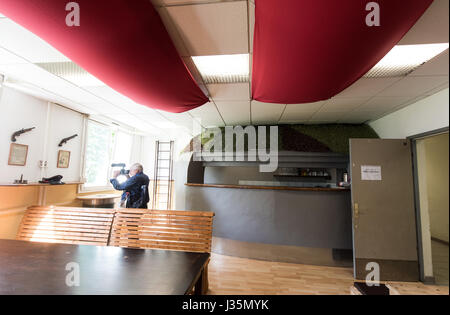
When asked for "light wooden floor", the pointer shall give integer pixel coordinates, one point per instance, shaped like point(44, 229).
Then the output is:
point(440, 262)
point(235, 276)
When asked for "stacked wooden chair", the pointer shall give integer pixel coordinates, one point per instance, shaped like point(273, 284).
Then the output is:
point(66, 225)
point(189, 231)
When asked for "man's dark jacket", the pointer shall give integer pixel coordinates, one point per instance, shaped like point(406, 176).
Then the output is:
point(138, 196)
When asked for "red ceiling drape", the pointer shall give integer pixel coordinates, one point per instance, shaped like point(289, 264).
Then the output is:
point(123, 43)
point(310, 50)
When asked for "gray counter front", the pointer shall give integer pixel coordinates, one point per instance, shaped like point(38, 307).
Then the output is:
point(318, 218)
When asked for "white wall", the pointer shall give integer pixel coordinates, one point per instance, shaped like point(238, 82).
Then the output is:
point(428, 114)
point(64, 123)
point(148, 155)
point(21, 111)
point(52, 123)
point(181, 163)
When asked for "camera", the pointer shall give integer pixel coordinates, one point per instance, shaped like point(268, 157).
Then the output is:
point(123, 171)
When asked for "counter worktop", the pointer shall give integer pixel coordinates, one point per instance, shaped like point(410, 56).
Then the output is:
point(37, 184)
point(270, 187)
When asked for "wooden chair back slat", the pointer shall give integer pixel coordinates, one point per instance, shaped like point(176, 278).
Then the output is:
point(68, 225)
point(189, 231)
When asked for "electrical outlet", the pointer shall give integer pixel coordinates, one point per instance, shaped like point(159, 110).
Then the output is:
point(43, 164)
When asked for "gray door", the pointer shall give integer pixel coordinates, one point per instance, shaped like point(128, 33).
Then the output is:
point(384, 222)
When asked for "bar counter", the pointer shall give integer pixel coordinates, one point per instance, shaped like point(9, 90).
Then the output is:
point(314, 218)
point(270, 187)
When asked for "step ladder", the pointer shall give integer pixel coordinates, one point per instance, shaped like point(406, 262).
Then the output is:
point(163, 178)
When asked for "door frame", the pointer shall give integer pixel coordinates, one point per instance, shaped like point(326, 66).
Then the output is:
point(414, 139)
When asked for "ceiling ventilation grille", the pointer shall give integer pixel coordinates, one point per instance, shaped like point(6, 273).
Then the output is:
point(404, 59)
point(391, 71)
point(71, 72)
point(215, 79)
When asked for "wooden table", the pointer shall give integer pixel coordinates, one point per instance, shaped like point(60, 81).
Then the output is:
point(40, 268)
point(99, 200)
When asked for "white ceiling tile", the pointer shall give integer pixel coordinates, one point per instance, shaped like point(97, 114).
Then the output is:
point(31, 73)
point(212, 29)
point(414, 86)
point(105, 108)
point(383, 103)
point(46, 95)
point(250, 58)
point(319, 122)
point(207, 115)
point(353, 121)
point(436, 66)
point(133, 121)
point(360, 116)
point(432, 27)
point(182, 119)
point(25, 44)
point(193, 70)
point(173, 32)
point(37, 76)
point(251, 15)
point(7, 58)
point(300, 112)
point(437, 89)
point(305, 107)
point(235, 112)
point(155, 119)
point(297, 118)
point(266, 113)
point(153, 116)
point(405, 104)
point(327, 116)
point(343, 104)
point(118, 100)
point(229, 92)
point(294, 122)
point(367, 87)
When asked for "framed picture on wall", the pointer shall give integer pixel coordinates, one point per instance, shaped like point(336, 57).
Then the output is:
point(63, 159)
point(18, 154)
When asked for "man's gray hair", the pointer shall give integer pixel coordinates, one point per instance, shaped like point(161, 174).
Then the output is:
point(138, 167)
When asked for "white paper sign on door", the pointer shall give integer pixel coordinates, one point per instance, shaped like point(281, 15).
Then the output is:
point(370, 172)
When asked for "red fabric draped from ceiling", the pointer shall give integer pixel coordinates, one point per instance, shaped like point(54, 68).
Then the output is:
point(123, 43)
point(310, 50)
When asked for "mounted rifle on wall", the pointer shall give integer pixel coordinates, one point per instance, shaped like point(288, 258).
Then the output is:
point(19, 132)
point(64, 141)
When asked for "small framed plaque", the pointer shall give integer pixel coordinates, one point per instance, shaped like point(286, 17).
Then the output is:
point(18, 154)
point(63, 159)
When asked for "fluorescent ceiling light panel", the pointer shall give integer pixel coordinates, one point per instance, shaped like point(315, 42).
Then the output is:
point(223, 68)
point(403, 59)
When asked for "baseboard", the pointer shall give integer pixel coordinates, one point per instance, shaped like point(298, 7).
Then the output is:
point(282, 253)
point(429, 281)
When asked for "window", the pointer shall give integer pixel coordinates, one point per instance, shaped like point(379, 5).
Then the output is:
point(104, 146)
point(122, 143)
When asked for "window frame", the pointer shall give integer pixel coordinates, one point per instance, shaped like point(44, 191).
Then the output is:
point(111, 149)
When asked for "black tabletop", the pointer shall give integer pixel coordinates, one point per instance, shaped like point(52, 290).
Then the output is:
point(42, 268)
